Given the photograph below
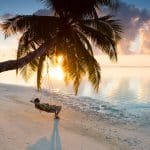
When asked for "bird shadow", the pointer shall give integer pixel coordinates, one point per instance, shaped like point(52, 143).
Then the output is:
point(53, 144)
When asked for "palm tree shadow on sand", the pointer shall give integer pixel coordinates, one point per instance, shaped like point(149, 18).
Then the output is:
point(45, 144)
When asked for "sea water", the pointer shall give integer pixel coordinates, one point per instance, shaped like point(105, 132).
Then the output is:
point(124, 95)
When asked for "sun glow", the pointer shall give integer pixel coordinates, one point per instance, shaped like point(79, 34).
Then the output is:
point(56, 72)
point(60, 59)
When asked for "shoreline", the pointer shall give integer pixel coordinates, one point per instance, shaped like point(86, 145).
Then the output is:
point(24, 128)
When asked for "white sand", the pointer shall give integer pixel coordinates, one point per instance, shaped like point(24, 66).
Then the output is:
point(22, 127)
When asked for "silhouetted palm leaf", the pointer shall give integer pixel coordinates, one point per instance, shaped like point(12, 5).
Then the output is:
point(40, 71)
point(37, 27)
point(71, 33)
point(107, 25)
point(104, 42)
point(28, 70)
point(78, 8)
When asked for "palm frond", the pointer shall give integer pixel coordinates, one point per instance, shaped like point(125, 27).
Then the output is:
point(104, 42)
point(40, 71)
point(47, 3)
point(28, 70)
point(79, 8)
point(86, 42)
point(73, 71)
point(113, 4)
point(23, 47)
point(79, 61)
point(89, 62)
point(42, 27)
point(114, 24)
point(72, 66)
point(110, 27)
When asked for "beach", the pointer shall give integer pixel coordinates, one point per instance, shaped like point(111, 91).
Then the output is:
point(25, 128)
point(86, 63)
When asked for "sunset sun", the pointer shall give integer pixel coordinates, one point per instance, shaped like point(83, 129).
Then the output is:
point(56, 71)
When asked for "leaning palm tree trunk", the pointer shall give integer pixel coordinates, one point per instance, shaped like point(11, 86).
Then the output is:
point(15, 64)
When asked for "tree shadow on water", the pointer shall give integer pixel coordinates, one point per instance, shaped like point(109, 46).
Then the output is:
point(53, 144)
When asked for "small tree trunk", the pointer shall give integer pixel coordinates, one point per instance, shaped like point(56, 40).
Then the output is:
point(15, 64)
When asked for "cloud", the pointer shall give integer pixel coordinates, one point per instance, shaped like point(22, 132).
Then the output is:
point(145, 38)
point(136, 24)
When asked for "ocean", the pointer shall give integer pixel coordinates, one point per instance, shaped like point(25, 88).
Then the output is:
point(124, 95)
point(119, 112)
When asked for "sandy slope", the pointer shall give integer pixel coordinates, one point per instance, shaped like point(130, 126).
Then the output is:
point(23, 128)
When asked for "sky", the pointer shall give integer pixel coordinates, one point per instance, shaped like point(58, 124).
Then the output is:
point(19, 6)
point(145, 4)
point(30, 6)
point(135, 17)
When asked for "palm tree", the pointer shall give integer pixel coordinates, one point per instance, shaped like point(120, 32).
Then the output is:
point(79, 9)
point(69, 33)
